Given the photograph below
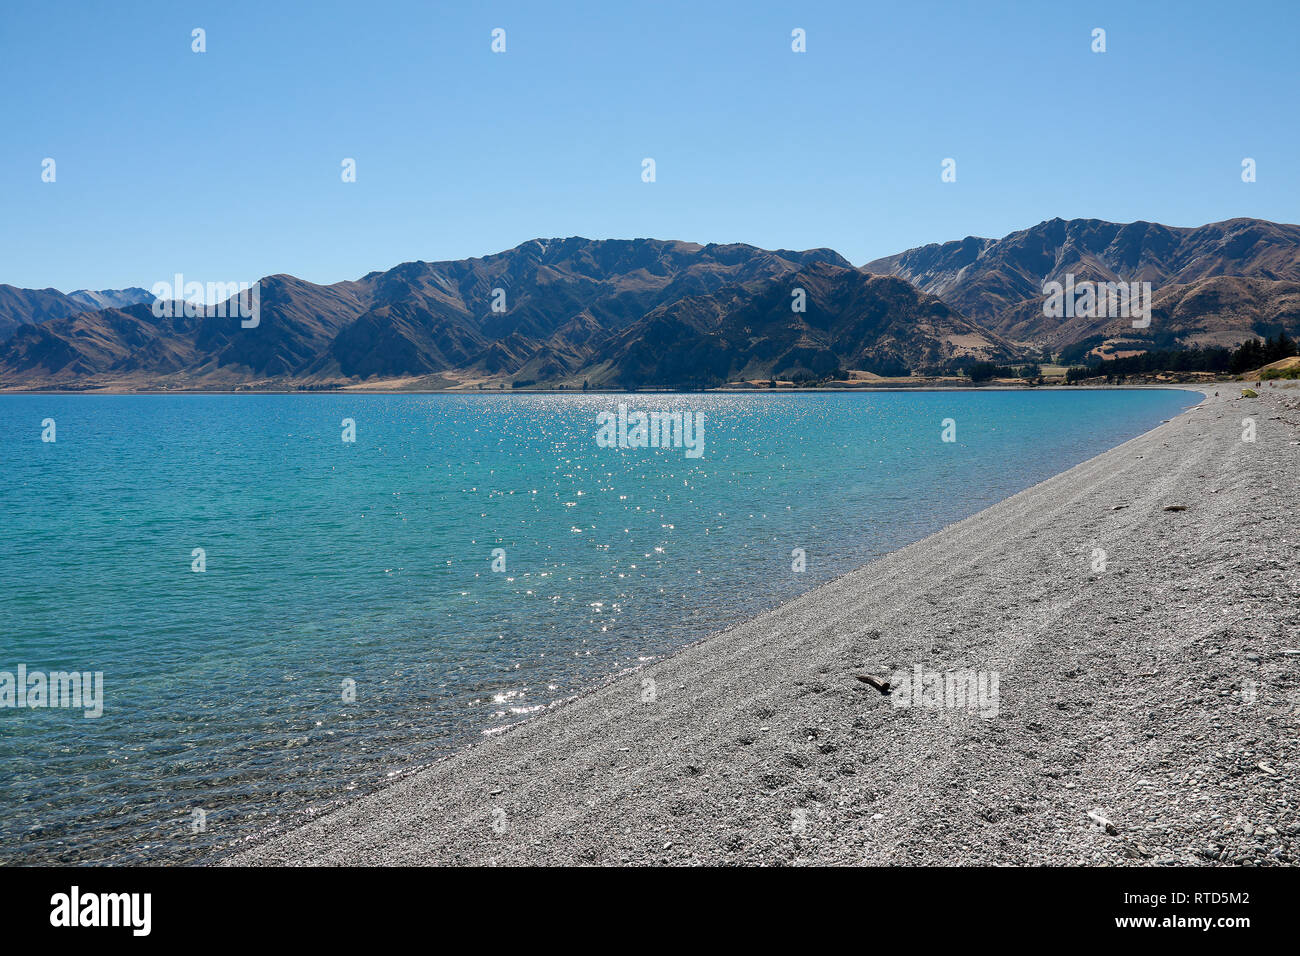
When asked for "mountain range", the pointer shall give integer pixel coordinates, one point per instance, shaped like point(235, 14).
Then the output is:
point(661, 313)
point(30, 306)
point(1197, 277)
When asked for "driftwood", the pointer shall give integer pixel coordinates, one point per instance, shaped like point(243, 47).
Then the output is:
point(876, 682)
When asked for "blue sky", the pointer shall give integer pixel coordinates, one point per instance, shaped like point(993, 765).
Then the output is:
point(225, 165)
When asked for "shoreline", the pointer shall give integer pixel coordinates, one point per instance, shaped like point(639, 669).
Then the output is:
point(761, 746)
point(1183, 386)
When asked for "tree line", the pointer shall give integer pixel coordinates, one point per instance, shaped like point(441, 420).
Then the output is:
point(1246, 357)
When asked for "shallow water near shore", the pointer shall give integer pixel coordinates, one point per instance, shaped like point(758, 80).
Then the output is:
point(335, 566)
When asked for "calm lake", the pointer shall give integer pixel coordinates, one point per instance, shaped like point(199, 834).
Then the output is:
point(364, 607)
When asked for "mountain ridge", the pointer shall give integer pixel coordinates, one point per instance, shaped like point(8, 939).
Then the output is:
point(559, 300)
point(999, 282)
point(32, 306)
point(564, 312)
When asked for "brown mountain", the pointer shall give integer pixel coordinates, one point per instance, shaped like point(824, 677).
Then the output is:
point(1218, 311)
point(850, 321)
point(30, 306)
point(999, 282)
point(561, 300)
point(133, 346)
point(652, 312)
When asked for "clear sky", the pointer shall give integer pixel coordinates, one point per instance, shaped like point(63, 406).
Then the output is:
point(226, 165)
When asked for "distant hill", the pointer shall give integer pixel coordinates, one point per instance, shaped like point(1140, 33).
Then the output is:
point(569, 309)
point(31, 306)
point(852, 321)
point(110, 298)
point(651, 312)
point(1195, 275)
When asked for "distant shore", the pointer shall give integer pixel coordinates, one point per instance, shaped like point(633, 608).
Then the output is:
point(931, 387)
point(1137, 614)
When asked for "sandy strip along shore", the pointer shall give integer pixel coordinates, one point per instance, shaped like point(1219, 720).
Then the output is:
point(1162, 693)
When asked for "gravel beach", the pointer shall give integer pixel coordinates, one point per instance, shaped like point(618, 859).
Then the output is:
point(1146, 709)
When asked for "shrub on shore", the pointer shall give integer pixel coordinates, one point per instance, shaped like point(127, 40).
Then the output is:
point(1272, 373)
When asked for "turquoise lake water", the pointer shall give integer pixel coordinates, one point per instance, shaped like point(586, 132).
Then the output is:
point(330, 562)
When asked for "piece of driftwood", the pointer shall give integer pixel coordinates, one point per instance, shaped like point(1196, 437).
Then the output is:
point(876, 682)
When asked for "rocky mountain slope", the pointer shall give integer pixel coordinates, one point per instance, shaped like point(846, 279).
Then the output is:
point(31, 306)
point(649, 312)
point(620, 312)
point(999, 283)
point(850, 320)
